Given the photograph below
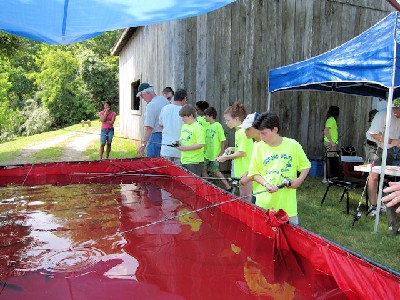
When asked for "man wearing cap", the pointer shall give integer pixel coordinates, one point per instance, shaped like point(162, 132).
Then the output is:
point(374, 146)
point(152, 130)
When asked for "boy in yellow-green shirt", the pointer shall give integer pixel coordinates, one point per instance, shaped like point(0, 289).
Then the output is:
point(215, 145)
point(275, 159)
point(192, 140)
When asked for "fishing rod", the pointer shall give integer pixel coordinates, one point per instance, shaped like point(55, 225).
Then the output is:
point(139, 170)
point(152, 175)
point(357, 214)
point(173, 145)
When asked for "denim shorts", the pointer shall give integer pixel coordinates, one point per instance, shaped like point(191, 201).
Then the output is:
point(106, 136)
point(153, 148)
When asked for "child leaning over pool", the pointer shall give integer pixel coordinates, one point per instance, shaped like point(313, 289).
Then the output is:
point(215, 144)
point(234, 116)
point(191, 141)
point(273, 160)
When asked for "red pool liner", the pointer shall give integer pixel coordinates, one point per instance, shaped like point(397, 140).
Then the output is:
point(357, 277)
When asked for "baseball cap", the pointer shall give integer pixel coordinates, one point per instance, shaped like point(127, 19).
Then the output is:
point(248, 121)
point(142, 87)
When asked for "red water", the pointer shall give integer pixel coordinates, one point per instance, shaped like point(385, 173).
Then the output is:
point(89, 242)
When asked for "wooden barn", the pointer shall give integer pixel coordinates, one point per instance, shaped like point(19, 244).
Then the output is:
point(225, 56)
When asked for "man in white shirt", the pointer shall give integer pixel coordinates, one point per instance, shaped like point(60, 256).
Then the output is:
point(171, 124)
point(374, 146)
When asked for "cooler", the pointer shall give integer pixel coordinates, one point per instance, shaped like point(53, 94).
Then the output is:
point(348, 163)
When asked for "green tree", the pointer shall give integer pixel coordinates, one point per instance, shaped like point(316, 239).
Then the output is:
point(101, 78)
point(7, 116)
point(61, 87)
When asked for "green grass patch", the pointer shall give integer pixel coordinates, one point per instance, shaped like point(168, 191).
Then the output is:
point(12, 149)
point(332, 222)
point(48, 154)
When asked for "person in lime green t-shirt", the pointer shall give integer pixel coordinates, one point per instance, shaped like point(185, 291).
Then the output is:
point(215, 145)
point(275, 159)
point(331, 134)
point(201, 106)
point(191, 141)
point(234, 116)
point(253, 134)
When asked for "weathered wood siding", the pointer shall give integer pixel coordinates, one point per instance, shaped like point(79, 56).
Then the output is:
point(225, 56)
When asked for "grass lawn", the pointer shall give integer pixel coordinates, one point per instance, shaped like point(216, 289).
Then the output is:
point(332, 222)
point(329, 220)
point(120, 148)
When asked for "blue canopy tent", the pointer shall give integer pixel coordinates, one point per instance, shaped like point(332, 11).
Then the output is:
point(367, 65)
point(70, 21)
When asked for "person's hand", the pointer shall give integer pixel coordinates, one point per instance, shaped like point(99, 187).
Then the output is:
point(270, 188)
point(394, 197)
point(221, 159)
point(140, 151)
point(295, 183)
point(244, 180)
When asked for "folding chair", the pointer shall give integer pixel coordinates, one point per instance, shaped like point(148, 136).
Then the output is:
point(335, 177)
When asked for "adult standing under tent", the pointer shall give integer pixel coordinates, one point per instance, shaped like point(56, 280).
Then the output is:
point(331, 134)
point(366, 65)
point(151, 142)
point(375, 137)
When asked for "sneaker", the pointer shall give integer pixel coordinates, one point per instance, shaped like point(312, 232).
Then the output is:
point(371, 210)
point(324, 181)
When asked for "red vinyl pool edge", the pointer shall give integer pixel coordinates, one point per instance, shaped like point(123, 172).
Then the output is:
point(357, 277)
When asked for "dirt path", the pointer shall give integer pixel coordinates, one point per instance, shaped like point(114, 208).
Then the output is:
point(77, 142)
point(73, 150)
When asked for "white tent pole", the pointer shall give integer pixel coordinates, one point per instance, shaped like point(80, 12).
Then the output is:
point(269, 97)
point(384, 156)
point(387, 126)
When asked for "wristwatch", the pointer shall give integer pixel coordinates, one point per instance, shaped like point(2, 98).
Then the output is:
point(265, 184)
point(144, 144)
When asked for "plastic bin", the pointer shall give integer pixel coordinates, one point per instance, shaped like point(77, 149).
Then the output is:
point(317, 168)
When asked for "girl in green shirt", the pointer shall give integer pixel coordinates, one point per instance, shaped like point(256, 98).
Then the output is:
point(234, 116)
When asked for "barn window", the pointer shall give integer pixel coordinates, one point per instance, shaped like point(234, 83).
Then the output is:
point(135, 101)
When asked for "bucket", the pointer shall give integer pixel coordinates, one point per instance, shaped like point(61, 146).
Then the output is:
point(317, 168)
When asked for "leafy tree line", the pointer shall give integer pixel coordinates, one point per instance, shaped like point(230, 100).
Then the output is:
point(45, 86)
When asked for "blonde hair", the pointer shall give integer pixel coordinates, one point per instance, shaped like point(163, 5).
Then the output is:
point(236, 110)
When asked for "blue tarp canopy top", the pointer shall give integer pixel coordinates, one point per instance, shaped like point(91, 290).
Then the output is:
point(365, 65)
point(69, 21)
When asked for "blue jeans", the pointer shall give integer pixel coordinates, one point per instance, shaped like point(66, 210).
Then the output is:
point(106, 136)
point(153, 148)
